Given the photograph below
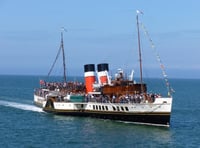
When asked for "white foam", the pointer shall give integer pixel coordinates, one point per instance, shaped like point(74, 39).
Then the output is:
point(21, 106)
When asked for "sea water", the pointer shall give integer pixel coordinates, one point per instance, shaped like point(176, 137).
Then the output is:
point(24, 125)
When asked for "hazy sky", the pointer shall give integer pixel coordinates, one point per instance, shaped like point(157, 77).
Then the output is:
point(99, 31)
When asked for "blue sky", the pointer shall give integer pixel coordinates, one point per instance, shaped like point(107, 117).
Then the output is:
point(99, 31)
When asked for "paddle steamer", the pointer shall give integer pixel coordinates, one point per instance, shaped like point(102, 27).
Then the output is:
point(120, 99)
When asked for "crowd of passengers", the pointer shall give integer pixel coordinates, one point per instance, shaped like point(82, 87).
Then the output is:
point(65, 85)
point(62, 88)
point(78, 87)
point(134, 98)
point(129, 98)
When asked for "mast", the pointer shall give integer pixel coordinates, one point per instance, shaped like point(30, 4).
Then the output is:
point(139, 49)
point(63, 55)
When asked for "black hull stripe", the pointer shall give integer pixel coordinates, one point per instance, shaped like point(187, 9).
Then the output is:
point(144, 118)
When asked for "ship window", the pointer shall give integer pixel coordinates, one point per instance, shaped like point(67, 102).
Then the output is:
point(126, 108)
point(94, 107)
point(103, 108)
point(122, 108)
point(114, 108)
point(106, 107)
point(118, 108)
point(99, 107)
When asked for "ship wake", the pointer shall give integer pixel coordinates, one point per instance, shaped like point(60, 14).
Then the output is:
point(21, 106)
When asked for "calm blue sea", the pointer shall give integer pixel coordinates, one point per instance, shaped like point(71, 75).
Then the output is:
point(24, 125)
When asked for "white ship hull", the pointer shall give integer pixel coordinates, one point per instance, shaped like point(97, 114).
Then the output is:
point(39, 101)
point(156, 113)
